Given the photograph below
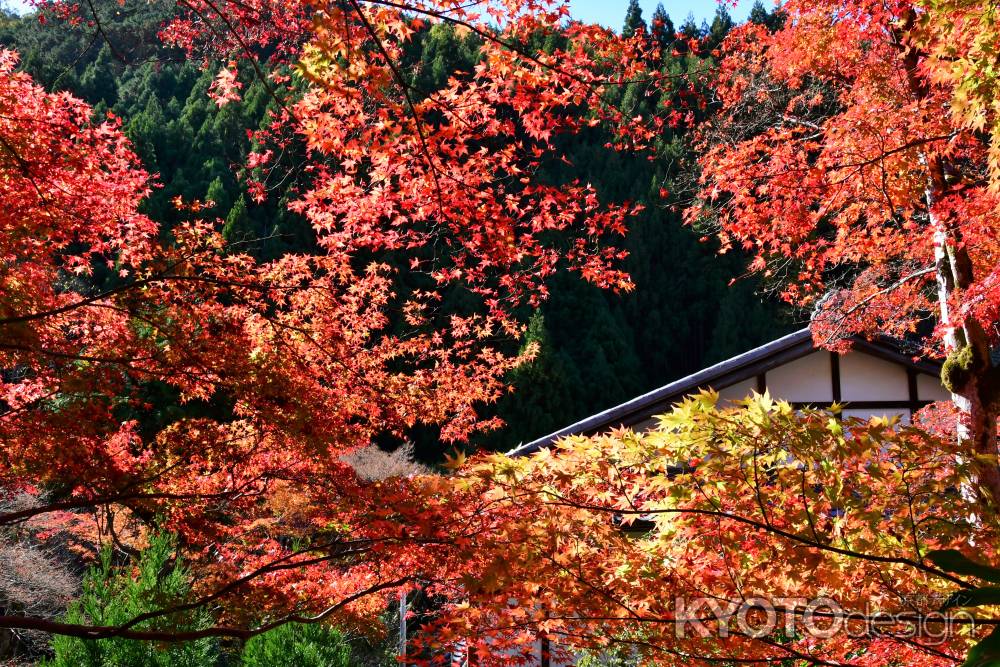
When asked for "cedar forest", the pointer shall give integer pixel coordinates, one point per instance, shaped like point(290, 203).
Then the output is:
point(277, 277)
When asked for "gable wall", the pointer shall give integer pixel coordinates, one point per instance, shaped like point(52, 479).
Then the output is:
point(865, 384)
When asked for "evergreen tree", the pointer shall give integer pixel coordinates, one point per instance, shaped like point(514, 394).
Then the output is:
point(543, 396)
point(663, 29)
point(218, 194)
point(99, 82)
point(238, 227)
point(744, 320)
point(298, 645)
point(722, 23)
point(146, 131)
point(633, 19)
point(758, 14)
point(444, 53)
point(112, 595)
point(771, 20)
point(690, 29)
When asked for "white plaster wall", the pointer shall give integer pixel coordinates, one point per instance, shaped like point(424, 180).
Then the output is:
point(867, 378)
point(929, 388)
point(805, 380)
point(736, 392)
point(868, 413)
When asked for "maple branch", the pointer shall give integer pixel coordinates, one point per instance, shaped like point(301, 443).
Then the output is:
point(243, 45)
point(51, 85)
point(401, 81)
point(104, 35)
point(136, 284)
point(893, 151)
point(596, 589)
point(103, 632)
point(688, 656)
point(802, 121)
point(277, 565)
point(45, 352)
point(511, 46)
point(932, 619)
point(896, 560)
point(840, 166)
point(9, 518)
point(26, 170)
point(922, 647)
point(843, 315)
point(805, 506)
point(786, 650)
point(282, 563)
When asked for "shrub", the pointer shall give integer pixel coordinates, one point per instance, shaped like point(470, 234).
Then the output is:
point(372, 464)
point(113, 594)
point(298, 645)
point(32, 581)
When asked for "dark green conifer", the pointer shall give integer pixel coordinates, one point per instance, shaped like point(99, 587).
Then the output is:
point(663, 29)
point(633, 19)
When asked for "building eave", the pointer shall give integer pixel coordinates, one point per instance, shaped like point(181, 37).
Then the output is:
point(725, 373)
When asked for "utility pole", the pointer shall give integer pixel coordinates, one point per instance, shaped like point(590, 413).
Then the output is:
point(402, 624)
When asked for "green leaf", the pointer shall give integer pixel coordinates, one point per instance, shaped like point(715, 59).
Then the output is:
point(986, 653)
point(974, 597)
point(952, 560)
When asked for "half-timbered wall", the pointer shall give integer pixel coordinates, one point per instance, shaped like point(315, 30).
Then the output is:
point(865, 384)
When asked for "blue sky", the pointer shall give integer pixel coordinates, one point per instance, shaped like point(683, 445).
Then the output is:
point(611, 13)
point(17, 5)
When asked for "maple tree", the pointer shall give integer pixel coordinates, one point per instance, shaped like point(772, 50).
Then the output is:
point(845, 165)
point(958, 38)
point(281, 369)
point(861, 174)
point(754, 533)
point(851, 154)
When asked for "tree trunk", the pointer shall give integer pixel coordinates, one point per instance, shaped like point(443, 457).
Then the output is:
point(968, 372)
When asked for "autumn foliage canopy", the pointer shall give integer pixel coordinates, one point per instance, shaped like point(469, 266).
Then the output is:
point(753, 533)
point(851, 151)
point(855, 157)
point(281, 368)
